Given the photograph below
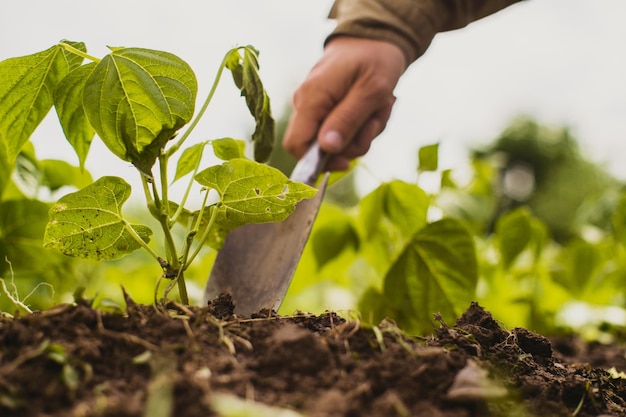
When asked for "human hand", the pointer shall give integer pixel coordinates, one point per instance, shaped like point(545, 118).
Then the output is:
point(346, 99)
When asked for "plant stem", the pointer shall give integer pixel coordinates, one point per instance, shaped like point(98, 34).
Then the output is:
point(203, 238)
point(78, 52)
point(181, 206)
point(164, 188)
point(182, 287)
point(146, 190)
point(139, 240)
point(195, 121)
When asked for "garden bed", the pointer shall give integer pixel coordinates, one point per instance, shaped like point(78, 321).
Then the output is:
point(74, 360)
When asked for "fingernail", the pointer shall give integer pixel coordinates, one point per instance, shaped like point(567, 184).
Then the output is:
point(333, 140)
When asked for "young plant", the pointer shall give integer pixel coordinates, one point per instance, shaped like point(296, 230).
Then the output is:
point(137, 101)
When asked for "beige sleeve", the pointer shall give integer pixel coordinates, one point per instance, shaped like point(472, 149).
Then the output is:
point(410, 24)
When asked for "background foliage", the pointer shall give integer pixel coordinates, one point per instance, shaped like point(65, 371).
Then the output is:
point(534, 231)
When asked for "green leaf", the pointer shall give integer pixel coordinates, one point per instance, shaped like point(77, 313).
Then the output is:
point(514, 231)
point(27, 173)
point(22, 223)
point(189, 161)
point(334, 233)
point(374, 307)
point(57, 174)
point(136, 99)
point(68, 102)
point(245, 71)
point(27, 85)
point(89, 223)
point(576, 267)
point(436, 273)
point(387, 219)
point(251, 192)
point(540, 237)
point(428, 158)
point(402, 204)
point(228, 148)
point(446, 179)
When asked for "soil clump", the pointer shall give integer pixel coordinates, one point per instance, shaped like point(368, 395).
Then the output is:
point(74, 360)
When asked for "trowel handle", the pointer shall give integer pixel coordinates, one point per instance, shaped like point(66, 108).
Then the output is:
point(311, 165)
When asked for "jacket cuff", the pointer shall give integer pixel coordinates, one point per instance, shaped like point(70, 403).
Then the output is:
point(408, 24)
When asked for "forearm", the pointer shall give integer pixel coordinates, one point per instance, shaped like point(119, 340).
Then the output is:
point(409, 24)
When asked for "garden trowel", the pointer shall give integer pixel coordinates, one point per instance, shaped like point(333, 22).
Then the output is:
point(257, 262)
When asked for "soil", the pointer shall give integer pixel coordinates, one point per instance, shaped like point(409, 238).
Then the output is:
point(74, 360)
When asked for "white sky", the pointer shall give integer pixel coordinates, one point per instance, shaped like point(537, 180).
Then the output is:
point(560, 61)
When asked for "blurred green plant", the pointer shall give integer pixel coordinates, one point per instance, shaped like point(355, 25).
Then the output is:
point(136, 100)
point(404, 255)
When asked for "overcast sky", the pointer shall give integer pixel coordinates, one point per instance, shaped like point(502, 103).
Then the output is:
point(560, 61)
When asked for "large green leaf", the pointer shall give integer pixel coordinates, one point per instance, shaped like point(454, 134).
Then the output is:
point(245, 70)
point(68, 103)
point(136, 99)
point(435, 274)
point(27, 86)
point(251, 192)
point(89, 223)
point(514, 232)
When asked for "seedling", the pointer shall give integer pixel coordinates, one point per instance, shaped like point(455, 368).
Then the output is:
point(137, 101)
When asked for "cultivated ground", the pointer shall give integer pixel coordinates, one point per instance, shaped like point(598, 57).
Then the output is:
point(73, 360)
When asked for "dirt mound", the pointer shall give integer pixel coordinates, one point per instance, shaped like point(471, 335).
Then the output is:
point(76, 361)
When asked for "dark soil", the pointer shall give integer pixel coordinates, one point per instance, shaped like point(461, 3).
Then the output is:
point(76, 361)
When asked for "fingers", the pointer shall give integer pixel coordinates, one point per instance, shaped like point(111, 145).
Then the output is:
point(358, 118)
point(359, 143)
point(346, 100)
point(310, 107)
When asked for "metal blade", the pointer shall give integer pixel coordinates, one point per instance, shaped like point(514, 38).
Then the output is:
point(258, 261)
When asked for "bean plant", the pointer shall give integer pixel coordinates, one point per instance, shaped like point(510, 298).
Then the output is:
point(141, 104)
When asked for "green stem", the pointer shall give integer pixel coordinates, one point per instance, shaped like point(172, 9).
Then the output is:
point(203, 238)
point(139, 240)
point(146, 190)
point(195, 121)
point(196, 226)
point(181, 207)
point(191, 234)
point(182, 287)
point(152, 197)
point(78, 52)
point(170, 246)
point(164, 188)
